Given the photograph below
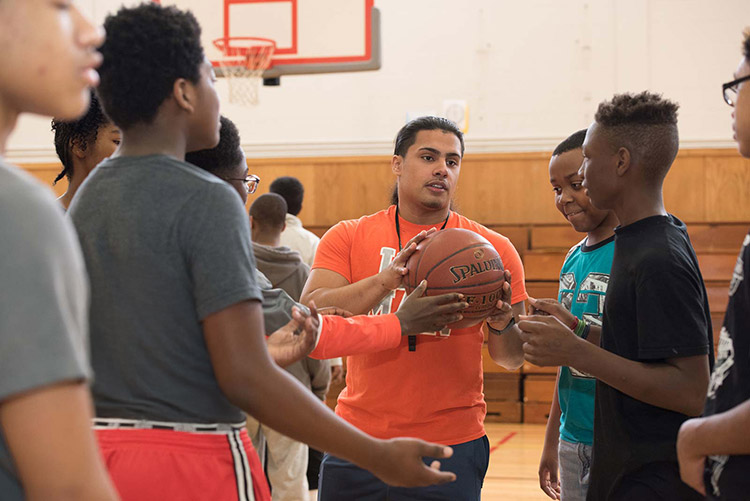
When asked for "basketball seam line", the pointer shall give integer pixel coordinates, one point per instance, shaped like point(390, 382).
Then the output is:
point(473, 246)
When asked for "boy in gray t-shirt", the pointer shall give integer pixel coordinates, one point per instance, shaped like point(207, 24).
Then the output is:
point(47, 448)
point(176, 321)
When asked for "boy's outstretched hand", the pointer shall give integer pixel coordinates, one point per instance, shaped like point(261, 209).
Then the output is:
point(399, 463)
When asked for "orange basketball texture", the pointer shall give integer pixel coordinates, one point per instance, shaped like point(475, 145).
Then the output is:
point(458, 260)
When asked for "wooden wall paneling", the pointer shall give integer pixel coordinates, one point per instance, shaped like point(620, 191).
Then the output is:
point(538, 388)
point(46, 173)
point(558, 237)
point(717, 266)
point(536, 412)
point(529, 368)
point(506, 189)
point(685, 188)
point(540, 290)
point(503, 411)
point(502, 386)
point(717, 237)
point(518, 235)
point(727, 184)
point(718, 296)
point(543, 266)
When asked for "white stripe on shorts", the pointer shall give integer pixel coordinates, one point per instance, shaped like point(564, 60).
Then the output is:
point(241, 468)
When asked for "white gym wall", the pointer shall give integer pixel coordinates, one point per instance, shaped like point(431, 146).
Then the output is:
point(530, 71)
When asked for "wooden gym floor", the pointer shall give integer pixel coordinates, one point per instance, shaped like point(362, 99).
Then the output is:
point(515, 449)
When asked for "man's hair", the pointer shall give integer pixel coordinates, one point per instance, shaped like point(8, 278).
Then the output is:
point(645, 124)
point(269, 211)
point(573, 142)
point(291, 190)
point(225, 156)
point(81, 132)
point(746, 43)
point(147, 49)
point(408, 133)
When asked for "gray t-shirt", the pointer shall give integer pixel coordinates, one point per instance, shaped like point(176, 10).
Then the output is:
point(166, 244)
point(43, 299)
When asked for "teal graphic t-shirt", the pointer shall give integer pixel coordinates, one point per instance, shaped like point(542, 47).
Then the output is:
point(583, 283)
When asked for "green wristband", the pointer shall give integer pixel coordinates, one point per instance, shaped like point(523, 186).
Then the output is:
point(580, 327)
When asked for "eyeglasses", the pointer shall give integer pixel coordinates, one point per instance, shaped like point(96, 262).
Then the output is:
point(729, 90)
point(251, 182)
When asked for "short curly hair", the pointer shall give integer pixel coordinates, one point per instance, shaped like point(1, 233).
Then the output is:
point(269, 211)
point(82, 132)
point(147, 48)
point(225, 156)
point(291, 189)
point(645, 124)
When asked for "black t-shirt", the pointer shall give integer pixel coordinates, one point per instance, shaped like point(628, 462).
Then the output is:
point(727, 477)
point(656, 308)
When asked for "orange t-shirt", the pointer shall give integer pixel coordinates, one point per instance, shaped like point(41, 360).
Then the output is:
point(435, 392)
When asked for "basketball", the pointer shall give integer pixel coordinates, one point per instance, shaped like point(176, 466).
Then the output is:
point(458, 260)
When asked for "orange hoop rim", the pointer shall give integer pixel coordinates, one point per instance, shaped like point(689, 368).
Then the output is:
point(259, 45)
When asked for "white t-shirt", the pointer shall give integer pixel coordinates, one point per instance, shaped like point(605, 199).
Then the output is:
point(297, 238)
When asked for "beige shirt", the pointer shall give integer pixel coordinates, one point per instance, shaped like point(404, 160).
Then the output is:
point(297, 238)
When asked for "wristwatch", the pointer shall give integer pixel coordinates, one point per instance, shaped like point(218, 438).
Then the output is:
point(496, 332)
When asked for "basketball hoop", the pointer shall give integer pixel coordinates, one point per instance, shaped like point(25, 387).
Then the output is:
point(245, 59)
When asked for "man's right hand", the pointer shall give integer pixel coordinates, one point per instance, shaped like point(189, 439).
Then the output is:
point(418, 313)
point(393, 276)
point(398, 462)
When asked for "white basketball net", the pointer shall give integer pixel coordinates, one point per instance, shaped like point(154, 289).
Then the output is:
point(244, 73)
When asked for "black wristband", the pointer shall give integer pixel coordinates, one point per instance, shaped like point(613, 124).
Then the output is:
point(586, 331)
point(496, 332)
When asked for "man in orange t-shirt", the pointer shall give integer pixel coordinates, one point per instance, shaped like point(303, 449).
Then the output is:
point(427, 386)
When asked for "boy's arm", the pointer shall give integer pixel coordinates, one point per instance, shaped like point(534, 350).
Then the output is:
point(682, 381)
point(250, 380)
point(549, 462)
point(48, 432)
point(506, 349)
point(362, 334)
point(723, 433)
point(504, 343)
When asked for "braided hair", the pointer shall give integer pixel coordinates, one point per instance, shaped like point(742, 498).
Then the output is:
point(81, 132)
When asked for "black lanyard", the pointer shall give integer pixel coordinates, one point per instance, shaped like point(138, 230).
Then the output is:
point(413, 338)
point(398, 227)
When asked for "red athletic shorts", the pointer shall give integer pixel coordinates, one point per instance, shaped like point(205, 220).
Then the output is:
point(161, 465)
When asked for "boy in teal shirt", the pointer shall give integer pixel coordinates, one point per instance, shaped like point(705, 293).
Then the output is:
point(583, 283)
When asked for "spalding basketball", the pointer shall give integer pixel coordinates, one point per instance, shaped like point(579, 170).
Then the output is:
point(458, 260)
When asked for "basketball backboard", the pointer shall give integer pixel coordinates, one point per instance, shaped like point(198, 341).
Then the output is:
point(311, 36)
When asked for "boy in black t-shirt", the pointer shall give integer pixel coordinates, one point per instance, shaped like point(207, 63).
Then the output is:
point(714, 451)
point(652, 368)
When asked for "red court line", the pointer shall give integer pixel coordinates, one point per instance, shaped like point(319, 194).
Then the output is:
point(501, 442)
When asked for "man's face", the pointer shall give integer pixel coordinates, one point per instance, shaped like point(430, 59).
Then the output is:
point(428, 173)
point(741, 113)
point(570, 196)
point(48, 57)
point(599, 168)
